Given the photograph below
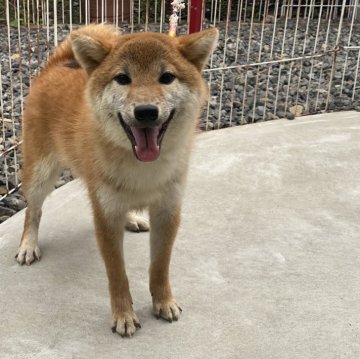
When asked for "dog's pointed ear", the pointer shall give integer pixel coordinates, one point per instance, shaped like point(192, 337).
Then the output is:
point(89, 51)
point(198, 47)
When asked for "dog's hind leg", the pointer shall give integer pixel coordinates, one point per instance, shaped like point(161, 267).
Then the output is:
point(39, 177)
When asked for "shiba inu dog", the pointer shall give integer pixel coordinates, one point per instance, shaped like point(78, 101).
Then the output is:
point(120, 111)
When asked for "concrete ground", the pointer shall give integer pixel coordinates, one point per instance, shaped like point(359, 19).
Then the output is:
point(266, 265)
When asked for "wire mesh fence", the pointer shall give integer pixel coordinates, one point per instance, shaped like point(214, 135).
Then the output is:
point(275, 59)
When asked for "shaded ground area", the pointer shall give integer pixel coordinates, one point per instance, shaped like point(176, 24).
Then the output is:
point(266, 265)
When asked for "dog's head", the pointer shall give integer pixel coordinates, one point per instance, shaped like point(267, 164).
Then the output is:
point(143, 86)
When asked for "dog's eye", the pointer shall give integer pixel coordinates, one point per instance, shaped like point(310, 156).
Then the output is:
point(167, 78)
point(122, 79)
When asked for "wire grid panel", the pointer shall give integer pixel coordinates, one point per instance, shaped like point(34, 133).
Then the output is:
point(282, 59)
point(275, 58)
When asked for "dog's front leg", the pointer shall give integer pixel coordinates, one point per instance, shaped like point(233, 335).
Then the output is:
point(109, 233)
point(164, 223)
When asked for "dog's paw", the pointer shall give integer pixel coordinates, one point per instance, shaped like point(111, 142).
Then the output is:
point(27, 253)
point(136, 223)
point(125, 324)
point(168, 310)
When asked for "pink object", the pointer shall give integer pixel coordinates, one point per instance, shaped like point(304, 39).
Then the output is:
point(177, 6)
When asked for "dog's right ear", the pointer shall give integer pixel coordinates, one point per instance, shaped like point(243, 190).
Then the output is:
point(88, 51)
point(198, 46)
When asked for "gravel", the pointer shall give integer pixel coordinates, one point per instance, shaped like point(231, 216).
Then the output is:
point(242, 95)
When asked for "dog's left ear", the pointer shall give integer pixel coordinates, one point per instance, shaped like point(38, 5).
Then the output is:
point(198, 47)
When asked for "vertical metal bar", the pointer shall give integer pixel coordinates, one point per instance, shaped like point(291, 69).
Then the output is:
point(147, 15)
point(303, 52)
point(117, 13)
point(219, 19)
point(63, 11)
point(97, 11)
point(38, 33)
point(239, 9)
point(214, 14)
point(336, 9)
point(19, 58)
point(139, 11)
point(291, 9)
point(335, 54)
point(70, 15)
point(188, 16)
point(356, 76)
point(293, 53)
point(203, 16)
point(314, 52)
point(324, 48)
point(55, 23)
point(24, 12)
point(33, 11)
point(281, 55)
point(2, 143)
point(212, 9)
point(328, 11)
point(348, 44)
point(103, 10)
point(224, 60)
point(43, 12)
point(28, 40)
point(266, 11)
point(132, 10)
point(213, 18)
point(306, 9)
point(260, 8)
point(258, 68)
point(196, 11)
point(245, 10)
point(162, 10)
point(271, 53)
point(122, 11)
point(247, 61)
point(232, 95)
point(3, 130)
point(47, 28)
point(14, 131)
point(86, 12)
point(11, 85)
point(155, 12)
point(114, 15)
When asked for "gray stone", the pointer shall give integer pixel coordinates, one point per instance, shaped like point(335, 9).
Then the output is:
point(281, 114)
point(4, 218)
point(14, 203)
point(289, 115)
point(260, 110)
point(270, 116)
point(4, 211)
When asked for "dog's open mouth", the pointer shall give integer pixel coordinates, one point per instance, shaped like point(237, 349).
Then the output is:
point(146, 142)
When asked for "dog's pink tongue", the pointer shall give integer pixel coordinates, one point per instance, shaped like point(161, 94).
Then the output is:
point(146, 148)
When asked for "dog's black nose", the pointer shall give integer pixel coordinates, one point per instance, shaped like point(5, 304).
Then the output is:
point(146, 113)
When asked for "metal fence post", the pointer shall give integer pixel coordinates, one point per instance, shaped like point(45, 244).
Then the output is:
point(196, 11)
